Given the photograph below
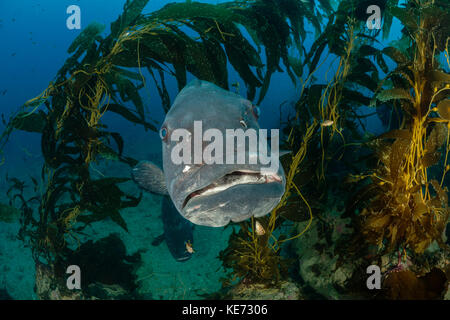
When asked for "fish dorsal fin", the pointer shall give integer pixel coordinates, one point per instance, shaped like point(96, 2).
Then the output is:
point(150, 177)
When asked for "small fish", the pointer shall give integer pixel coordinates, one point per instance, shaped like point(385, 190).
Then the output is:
point(189, 247)
point(108, 153)
point(327, 123)
point(127, 33)
point(259, 229)
point(237, 86)
point(209, 195)
point(177, 231)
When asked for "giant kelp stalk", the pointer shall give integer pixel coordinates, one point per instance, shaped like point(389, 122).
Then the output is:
point(322, 110)
point(254, 252)
point(345, 51)
point(408, 206)
point(329, 107)
point(104, 75)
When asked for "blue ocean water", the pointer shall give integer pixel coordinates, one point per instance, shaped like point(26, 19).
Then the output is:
point(35, 40)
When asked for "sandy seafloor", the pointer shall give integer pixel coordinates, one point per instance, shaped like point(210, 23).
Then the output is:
point(161, 277)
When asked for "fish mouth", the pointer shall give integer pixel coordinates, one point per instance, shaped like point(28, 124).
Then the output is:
point(239, 177)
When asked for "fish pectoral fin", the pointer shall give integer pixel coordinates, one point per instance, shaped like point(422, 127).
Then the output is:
point(149, 177)
point(158, 240)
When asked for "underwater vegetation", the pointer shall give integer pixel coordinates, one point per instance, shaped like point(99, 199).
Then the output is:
point(314, 139)
point(97, 78)
point(408, 205)
point(401, 204)
point(406, 285)
point(108, 272)
point(8, 213)
point(391, 189)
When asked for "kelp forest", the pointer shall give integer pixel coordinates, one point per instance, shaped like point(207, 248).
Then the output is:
point(353, 198)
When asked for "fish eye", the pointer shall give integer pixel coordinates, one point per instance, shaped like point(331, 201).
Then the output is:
point(163, 133)
point(256, 112)
point(243, 124)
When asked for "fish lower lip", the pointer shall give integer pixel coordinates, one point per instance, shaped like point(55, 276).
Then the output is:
point(233, 179)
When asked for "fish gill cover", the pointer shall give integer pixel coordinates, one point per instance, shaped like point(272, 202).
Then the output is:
point(352, 198)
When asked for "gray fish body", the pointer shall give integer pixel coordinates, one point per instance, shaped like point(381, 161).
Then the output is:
point(215, 194)
point(210, 194)
point(177, 230)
